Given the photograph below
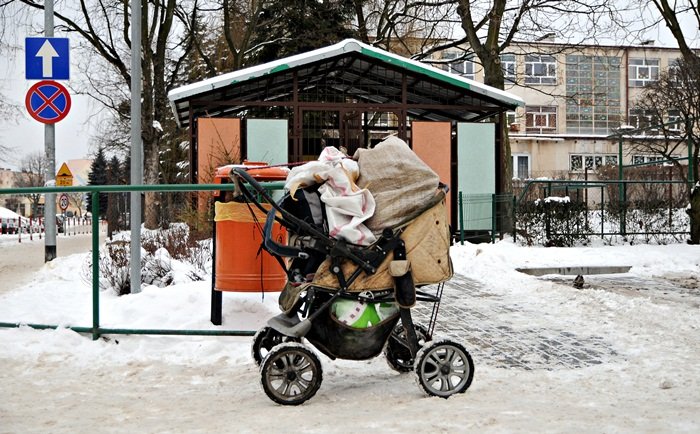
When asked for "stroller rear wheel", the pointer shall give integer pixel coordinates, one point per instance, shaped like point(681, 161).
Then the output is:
point(444, 368)
point(291, 374)
point(397, 353)
point(265, 340)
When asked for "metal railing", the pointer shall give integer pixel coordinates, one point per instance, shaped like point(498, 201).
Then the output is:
point(94, 191)
point(618, 207)
point(484, 216)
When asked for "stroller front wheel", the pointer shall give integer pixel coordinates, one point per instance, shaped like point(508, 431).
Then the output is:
point(444, 368)
point(291, 374)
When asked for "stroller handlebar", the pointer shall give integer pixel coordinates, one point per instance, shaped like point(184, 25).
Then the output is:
point(333, 246)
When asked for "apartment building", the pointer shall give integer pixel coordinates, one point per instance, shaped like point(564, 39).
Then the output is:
point(577, 98)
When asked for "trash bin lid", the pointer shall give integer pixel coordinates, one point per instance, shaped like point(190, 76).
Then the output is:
point(259, 170)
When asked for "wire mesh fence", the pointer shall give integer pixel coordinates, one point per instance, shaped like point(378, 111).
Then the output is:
point(565, 212)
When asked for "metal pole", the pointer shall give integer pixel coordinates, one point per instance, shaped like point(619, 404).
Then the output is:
point(95, 265)
point(461, 219)
point(621, 188)
point(50, 151)
point(493, 218)
point(691, 168)
point(136, 147)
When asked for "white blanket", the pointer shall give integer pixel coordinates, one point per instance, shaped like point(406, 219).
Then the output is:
point(347, 205)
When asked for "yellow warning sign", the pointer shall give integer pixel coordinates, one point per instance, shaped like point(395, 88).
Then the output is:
point(64, 177)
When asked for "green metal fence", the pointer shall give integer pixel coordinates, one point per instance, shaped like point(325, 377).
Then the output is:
point(95, 329)
point(646, 208)
point(485, 217)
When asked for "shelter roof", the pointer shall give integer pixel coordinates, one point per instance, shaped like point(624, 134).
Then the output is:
point(349, 71)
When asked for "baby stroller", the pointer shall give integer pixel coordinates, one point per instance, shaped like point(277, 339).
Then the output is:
point(324, 272)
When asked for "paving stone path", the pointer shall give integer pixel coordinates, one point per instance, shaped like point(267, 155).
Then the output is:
point(465, 317)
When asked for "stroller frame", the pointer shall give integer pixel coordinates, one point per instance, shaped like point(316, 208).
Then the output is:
point(291, 373)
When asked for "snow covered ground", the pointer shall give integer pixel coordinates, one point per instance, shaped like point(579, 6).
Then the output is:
point(635, 336)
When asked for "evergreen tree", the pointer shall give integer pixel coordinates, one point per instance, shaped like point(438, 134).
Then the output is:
point(114, 177)
point(98, 176)
point(298, 26)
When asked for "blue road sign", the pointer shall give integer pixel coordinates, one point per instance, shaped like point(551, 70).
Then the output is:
point(48, 102)
point(47, 58)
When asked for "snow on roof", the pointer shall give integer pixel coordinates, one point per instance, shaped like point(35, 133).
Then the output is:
point(346, 46)
point(8, 214)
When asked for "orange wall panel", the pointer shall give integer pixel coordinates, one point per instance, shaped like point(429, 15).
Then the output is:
point(218, 143)
point(432, 142)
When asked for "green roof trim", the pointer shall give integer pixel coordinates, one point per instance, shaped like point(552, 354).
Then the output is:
point(279, 68)
point(415, 68)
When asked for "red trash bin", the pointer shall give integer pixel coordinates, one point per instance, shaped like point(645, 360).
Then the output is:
point(241, 266)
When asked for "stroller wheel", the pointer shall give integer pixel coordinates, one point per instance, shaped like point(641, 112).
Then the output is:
point(397, 353)
point(291, 374)
point(266, 339)
point(444, 368)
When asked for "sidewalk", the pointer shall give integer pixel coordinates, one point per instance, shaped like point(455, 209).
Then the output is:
point(487, 324)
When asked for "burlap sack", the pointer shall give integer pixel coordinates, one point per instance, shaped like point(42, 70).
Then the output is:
point(427, 241)
point(401, 183)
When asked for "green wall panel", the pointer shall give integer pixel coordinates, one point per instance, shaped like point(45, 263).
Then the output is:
point(476, 172)
point(267, 140)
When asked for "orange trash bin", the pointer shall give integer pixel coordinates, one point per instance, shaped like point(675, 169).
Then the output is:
point(241, 265)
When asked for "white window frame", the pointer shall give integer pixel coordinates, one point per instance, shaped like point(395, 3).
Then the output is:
point(674, 122)
point(543, 113)
point(516, 173)
point(540, 69)
point(509, 66)
point(643, 125)
point(464, 68)
point(591, 161)
point(649, 158)
point(643, 71)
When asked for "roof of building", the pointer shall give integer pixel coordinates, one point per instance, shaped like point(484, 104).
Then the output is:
point(353, 69)
point(80, 168)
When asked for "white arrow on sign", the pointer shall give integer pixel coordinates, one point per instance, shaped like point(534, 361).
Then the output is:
point(47, 53)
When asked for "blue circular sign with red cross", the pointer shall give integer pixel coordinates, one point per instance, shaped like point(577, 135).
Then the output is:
point(48, 101)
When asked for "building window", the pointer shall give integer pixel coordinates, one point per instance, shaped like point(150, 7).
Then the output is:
point(541, 119)
point(644, 120)
point(592, 94)
point(581, 162)
point(521, 166)
point(674, 123)
point(540, 69)
point(643, 71)
point(509, 67)
point(461, 65)
point(646, 159)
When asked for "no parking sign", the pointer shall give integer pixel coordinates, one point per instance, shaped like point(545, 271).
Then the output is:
point(48, 101)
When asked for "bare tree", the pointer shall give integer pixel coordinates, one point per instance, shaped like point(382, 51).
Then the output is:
point(102, 29)
point(32, 174)
point(672, 105)
point(672, 14)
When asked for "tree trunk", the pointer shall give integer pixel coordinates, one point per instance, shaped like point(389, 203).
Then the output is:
point(493, 76)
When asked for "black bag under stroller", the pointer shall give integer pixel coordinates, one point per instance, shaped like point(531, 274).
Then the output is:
point(384, 277)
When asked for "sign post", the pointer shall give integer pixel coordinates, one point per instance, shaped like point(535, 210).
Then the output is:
point(48, 102)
